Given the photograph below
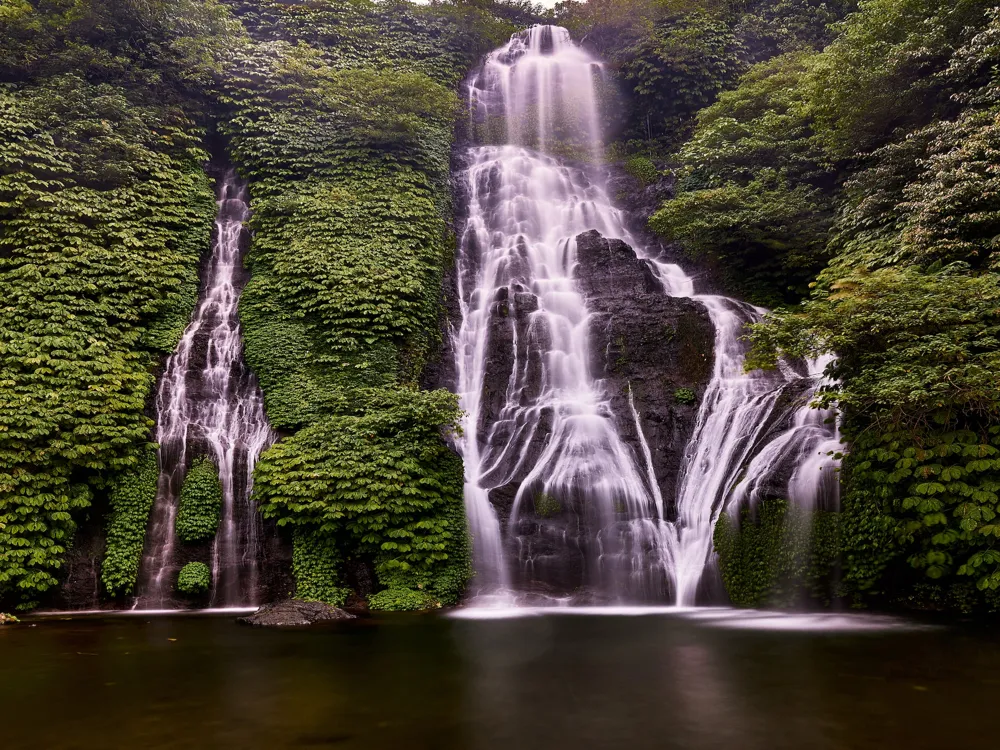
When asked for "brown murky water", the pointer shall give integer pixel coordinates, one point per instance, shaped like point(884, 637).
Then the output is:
point(546, 681)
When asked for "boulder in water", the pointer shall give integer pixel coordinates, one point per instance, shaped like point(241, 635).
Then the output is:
point(294, 613)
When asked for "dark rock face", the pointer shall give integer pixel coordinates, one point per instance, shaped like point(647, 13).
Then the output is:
point(294, 613)
point(641, 199)
point(645, 345)
point(649, 344)
point(80, 587)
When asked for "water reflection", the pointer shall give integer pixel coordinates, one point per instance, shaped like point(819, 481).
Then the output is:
point(686, 680)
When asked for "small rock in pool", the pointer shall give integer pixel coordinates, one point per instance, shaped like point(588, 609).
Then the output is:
point(294, 612)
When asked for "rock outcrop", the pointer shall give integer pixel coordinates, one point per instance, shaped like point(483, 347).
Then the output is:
point(657, 348)
point(294, 613)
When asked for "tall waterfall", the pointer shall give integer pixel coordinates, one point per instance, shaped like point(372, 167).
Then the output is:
point(546, 426)
point(209, 403)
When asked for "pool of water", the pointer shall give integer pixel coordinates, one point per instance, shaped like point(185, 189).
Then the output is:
point(546, 679)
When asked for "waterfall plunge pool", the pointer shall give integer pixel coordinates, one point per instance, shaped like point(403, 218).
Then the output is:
point(685, 679)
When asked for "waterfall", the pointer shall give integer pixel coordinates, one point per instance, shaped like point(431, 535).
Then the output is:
point(540, 443)
point(732, 447)
point(209, 403)
point(548, 428)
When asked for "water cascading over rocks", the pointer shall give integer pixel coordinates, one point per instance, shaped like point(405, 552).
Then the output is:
point(561, 486)
point(209, 404)
point(548, 429)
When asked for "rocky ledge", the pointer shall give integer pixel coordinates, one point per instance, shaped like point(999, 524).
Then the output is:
point(294, 613)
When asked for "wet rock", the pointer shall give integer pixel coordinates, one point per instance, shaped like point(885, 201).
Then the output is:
point(294, 613)
point(647, 346)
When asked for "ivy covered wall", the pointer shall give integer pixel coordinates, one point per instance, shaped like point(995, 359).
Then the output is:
point(104, 214)
point(342, 119)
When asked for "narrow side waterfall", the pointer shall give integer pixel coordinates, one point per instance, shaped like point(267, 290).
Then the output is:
point(209, 403)
point(558, 502)
point(733, 445)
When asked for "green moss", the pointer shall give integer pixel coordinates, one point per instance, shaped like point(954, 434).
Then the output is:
point(643, 169)
point(194, 578)
point(315, 564)
point(546, 506)
point(780, 557)
point(200, 502)
point(402, 600)
point(380, 483)
point(104, 214)
point(685, 396)
point(132, 498)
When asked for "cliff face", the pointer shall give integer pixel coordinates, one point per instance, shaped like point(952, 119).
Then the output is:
point(645, 347)
point(647, 344)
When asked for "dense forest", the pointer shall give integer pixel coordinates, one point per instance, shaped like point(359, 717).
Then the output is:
point(835, 161)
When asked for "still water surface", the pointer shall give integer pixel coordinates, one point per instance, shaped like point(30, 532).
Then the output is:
point(552, 682)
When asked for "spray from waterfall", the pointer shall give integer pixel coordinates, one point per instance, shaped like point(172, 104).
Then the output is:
point(209, 403)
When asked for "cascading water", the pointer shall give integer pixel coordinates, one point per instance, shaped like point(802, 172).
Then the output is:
point(733, 443)
point(537, 419)
point(552, 432)
point(209, 403)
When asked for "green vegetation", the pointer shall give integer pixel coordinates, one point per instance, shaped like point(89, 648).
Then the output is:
point(194, 578)
point(685, 396)
point(315, 564)
point(547, 506)
point(782, 556)
point(401, 600)
point(104, 213)
point(132, 496)
point(200, 502)
point(643, 169)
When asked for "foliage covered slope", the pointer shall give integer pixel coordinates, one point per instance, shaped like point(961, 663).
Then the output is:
point(104, 213)
point(340, 113)
point(342, 119)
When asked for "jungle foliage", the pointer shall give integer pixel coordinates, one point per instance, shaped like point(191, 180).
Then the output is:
point(849, 179)
point(200, 502)
point(194, 578)
point(104, 213)
point(342, 119)
point(777, 555)
point(340, 112)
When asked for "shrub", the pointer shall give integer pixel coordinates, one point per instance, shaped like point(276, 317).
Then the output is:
point(402, 600)
point(132, 498)
point(200, 502)
point(315, 564)
point(643, 169)
point(685, 396)
point(194, 578)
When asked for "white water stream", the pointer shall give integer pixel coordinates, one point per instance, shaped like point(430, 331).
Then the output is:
point(209, 403)
point(551, 432)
